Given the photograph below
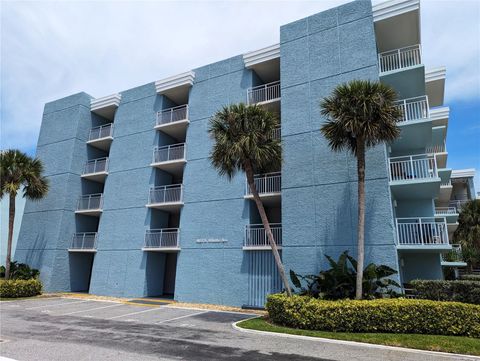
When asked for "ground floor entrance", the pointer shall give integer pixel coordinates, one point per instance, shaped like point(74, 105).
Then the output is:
point(161, 270)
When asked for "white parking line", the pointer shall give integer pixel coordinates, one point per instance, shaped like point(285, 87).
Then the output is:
point(91, 309)
point(134, 313)
point(178, 318)
point(56, 304)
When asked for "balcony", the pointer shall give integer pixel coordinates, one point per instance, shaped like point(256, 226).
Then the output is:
point(413, 109)
point(414, 176)
point(90, 205)
point(173, 121)
point(399, 59)
point(265, 94)
point(84, 242)
point(454, 257)
point(162, 240)
point(96, 170)
point(170, 158)
point(415, 124)
point(440, 153)
point(446, 212)
point(277, 133)
point(422, 233)
point(101, 137)
point(256, 237)
point(458, 204)
point(168, 198)
point(268, 185)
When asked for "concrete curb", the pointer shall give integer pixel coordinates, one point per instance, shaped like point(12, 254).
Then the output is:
point(354, 343)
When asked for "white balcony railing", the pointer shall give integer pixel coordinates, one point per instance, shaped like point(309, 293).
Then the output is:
point(414, 109)
point(161, 238)
point(96, 166)
point(172, 115)
point(266, 183)
point(437, 148)
point(277, 134)
point(84, 241)
point(90, 202)
point(255, 235)
point(413, 167)
point(264, 93)
point(446, 183)
point(102, 131)
point(458, 204)
point(400, 58)
point(446, 211)
point(454, 255)
point(169, 153)
point(166, 194)
point(422, 231)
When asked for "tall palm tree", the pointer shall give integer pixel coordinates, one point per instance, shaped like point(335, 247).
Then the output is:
point(468, 231)
point(18, 170)
point(360, 114)
point(244, 142)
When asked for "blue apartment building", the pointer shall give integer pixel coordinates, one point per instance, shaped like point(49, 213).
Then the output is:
point(135, 209)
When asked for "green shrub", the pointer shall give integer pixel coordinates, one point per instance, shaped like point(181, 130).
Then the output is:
point(20, 271)
point(457, 291)
point(20, 288)
point(470, 277)
point(383, 315)
point(339, 281)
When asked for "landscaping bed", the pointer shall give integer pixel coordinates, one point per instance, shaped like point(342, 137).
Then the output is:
point(20, 288)
point(381, 315)
point(452, 344)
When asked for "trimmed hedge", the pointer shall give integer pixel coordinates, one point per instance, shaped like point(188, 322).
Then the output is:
point(383, 315)
point(470, 277)
point(20, 288)
point(456, 291)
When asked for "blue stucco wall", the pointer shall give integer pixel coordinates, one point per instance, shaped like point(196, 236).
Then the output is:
point(214, 207)
point(48, 224)
point(319, 188)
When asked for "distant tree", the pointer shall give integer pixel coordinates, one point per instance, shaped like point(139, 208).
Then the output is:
point(18, 170)
point(244, 142)
point(360, 114)
point(468, 232)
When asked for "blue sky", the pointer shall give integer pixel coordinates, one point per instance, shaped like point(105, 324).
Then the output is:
point(52, 49)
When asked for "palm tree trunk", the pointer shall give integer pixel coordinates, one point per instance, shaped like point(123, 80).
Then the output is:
point(266, 225)
point(11, 219)
point(361, 217)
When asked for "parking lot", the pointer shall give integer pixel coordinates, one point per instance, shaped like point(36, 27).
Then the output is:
point(81, 329)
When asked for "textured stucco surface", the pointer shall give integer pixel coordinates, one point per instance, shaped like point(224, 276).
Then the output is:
point(319, 188)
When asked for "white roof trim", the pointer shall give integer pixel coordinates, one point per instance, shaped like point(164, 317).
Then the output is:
point(175, 81)
point(262, 55)
point(435, 74)
point(392, 8)
point(104, 102)
point(463, 173)
point(439, 113)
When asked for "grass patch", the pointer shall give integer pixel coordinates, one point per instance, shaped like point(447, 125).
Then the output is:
point(452, 344)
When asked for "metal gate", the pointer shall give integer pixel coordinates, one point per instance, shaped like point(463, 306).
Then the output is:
point(263, 277)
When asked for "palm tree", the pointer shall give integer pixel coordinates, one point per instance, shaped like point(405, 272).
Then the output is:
point(360, 114)
point(18, 170)
point(244, 142)
point(468, 231)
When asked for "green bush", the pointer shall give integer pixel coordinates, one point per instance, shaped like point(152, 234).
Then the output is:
point(470, 277)
point(20, 288)
point(20, 271)
point(398, 315)
point(457, 291)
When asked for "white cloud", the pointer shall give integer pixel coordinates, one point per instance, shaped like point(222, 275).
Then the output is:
point(53, 49)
